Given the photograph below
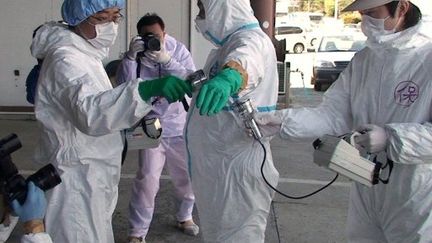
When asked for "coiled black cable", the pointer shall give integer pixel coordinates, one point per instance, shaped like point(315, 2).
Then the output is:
point(281, 193)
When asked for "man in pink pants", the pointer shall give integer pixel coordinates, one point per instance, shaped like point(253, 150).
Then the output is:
point(172, 59)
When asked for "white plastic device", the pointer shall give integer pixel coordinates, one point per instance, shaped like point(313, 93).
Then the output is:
point(138, 139)
point(338, 155)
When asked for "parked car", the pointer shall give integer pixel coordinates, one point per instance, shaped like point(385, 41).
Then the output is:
point(353, 27)
point(313, 38)
point(295, 36)
point(333, 55)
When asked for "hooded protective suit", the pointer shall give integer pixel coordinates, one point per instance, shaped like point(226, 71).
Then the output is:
point(81, 118)
point(387, 84)
point(172, 148)
point(232, 198)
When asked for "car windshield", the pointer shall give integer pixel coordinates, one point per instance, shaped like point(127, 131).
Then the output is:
point(342, 43)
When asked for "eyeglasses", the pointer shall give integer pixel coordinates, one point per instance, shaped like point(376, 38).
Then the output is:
point(99, 19)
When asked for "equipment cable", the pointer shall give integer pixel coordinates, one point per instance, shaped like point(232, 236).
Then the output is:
point(281, 193)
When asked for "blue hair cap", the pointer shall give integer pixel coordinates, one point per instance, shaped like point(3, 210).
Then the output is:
point(75, 11)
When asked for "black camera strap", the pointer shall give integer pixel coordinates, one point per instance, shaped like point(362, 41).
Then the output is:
point(138, 70)
point(125, 147)
point(378, 168)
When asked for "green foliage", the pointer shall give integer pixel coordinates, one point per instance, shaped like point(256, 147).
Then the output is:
point(351, 18)
point(323, 6)
point(328, 8)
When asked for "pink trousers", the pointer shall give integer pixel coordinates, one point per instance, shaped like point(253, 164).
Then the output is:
point(146, 184)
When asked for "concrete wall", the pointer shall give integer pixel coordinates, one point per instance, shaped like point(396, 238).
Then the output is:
point(19, 18)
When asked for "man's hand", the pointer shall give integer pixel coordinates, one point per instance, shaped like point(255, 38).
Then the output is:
point(161, 56)
point(372, 138)
point(136, 45)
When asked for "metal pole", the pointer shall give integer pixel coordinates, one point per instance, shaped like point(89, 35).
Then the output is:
point(265, 11)
point(336, 9)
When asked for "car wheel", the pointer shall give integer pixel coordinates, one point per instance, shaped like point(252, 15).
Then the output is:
point(298, 48)
point(317, 86)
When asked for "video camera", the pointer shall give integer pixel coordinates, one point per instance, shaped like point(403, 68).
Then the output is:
point(13, 185)
point(151, 43)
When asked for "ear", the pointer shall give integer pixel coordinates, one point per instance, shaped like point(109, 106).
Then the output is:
point(403, 8)
point(85, 30)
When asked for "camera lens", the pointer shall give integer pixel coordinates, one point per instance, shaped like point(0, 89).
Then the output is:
point(153, 44)
point(46, 177)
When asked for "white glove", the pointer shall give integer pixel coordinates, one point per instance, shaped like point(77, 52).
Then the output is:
point(269, 123)
point(372, 138)
point(136, 45)
point(161, 56)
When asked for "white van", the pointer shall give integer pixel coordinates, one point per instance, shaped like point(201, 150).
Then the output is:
point(295, 37)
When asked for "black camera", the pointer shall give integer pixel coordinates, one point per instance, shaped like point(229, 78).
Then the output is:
point(151, 43)
point(13, 185)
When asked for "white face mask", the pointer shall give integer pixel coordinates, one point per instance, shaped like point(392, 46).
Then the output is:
point(375, 28)
point(106, 35)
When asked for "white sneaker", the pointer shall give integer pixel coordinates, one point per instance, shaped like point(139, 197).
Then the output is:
point(189, 228)
point(6, 230)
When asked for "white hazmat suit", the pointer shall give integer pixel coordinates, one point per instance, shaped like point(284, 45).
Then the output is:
point(81, 118)
point(388, 84)
point(36, 238)
point(232, 198)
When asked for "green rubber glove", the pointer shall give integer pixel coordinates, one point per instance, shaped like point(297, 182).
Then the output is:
point(170, 87)
point(214, 94)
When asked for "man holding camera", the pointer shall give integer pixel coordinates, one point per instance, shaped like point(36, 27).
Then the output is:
point(154, 54)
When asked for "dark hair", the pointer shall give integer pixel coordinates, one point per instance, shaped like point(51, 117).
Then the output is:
point(150, 19)
point(412, 17)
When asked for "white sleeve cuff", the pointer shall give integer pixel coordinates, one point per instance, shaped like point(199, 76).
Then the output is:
point(36, 238)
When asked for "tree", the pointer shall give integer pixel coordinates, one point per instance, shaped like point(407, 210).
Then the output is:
point(323, 6)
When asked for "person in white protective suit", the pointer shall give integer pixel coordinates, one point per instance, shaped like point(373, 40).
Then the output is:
point(82, 118)
point(173, 58)
point(385, 94)
point(232, 199)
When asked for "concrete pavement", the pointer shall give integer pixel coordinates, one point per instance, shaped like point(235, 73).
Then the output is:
point(317, 219)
